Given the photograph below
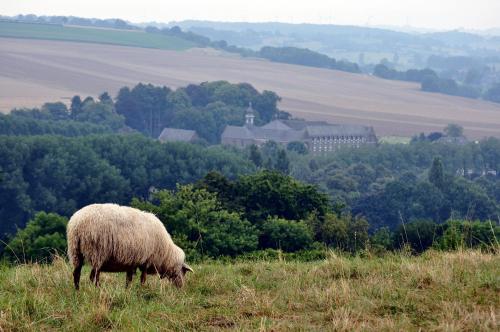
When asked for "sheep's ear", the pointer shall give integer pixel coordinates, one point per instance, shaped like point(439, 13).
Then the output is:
point(186, 268)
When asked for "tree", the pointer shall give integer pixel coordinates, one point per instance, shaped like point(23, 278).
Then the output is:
point(288, 235)
point(298, 147)
point(198, 223)
point(43, 236)
point(255, 155)
point(436, 173)
point(493, 93)
point(454, 130)
point(431, 83)
point(282, 162)
point(105, 98)
point(145, 108)
point(76, 106)
point(56, 111)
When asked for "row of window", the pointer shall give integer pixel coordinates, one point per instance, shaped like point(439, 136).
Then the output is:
point(339, 139)
point(330, 148)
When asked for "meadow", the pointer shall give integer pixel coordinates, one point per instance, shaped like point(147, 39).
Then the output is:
point(92, 35)
point(434, 291)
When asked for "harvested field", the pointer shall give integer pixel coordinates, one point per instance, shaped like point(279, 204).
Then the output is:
point(35, 71)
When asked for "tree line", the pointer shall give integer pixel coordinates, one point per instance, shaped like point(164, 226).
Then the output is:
point(291, 55)
point(257, 216)
point(206, 108)
point(431, 82)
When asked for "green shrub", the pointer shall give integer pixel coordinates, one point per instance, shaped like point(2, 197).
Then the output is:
point(285, 234)
point(42, 237)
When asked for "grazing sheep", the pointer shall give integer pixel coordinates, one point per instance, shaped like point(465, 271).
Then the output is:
point(113, 238)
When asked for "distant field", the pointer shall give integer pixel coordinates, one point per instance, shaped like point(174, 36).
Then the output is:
point(432, 292)
point(92, 35)
point(394, 140)
point(36, 71)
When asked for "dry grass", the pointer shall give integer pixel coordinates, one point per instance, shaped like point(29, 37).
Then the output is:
point(436, 291)
point(36, 71)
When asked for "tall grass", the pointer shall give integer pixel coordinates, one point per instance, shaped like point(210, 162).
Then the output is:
point(435, 291)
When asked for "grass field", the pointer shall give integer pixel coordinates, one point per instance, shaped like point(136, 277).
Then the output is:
point(394, 140)
point(435, 291)
point(92, 35)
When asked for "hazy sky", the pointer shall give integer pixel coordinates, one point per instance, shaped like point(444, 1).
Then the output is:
point(436, 14)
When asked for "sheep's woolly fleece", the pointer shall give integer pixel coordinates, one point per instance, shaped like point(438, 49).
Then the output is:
point(112, 233)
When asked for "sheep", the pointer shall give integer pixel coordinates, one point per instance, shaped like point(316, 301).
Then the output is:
point(114, 238)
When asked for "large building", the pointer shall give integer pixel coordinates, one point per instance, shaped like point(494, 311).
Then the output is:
point(319, 137)
point(177, 135)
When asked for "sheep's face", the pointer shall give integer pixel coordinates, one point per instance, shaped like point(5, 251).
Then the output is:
point(178, 275)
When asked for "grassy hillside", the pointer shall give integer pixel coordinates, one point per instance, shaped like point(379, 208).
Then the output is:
point(92, 35)
point(436, 291)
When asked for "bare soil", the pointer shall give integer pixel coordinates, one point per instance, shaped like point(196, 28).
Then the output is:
point(35, 71)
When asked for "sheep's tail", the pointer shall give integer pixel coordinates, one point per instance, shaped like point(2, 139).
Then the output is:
point(74, 253)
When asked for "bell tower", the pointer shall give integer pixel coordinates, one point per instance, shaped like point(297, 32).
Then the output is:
point(249, 116)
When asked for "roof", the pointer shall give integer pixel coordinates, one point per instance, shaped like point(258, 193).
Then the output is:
point(276, 125)
point(339, 130)
point(177, 135)
point(302, 124)
point(294, 130)
point(289, 135)
point(237, 132)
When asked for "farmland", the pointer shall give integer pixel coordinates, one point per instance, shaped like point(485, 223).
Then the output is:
point(35, 71)
point(435, 291)
point(92, 35)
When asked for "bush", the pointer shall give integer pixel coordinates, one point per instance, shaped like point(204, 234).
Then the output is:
point(42, 237)
point(284, 234)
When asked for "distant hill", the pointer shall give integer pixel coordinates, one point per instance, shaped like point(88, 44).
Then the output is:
point(354, 43)
point(36, 71)
point(126, 37)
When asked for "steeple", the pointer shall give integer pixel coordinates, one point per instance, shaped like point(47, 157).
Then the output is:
point(249, 116)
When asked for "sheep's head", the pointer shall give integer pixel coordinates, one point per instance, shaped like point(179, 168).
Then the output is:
point(177, 275)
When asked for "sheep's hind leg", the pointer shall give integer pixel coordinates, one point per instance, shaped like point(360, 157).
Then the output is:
point(77, 272)
point(96, 277)
point(92, 275)
point(143, 277)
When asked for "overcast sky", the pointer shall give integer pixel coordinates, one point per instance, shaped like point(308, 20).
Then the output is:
point(435, 14)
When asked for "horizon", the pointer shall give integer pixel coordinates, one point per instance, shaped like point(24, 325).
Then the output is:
point(480, 15)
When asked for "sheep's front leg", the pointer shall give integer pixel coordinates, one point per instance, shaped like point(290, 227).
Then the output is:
point(143, 277)
point(128, 280)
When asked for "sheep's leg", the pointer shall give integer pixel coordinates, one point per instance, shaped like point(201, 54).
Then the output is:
point(143, 277)
point(77, 272)
point(128, 280)
point(92, 275)
point(96, 277)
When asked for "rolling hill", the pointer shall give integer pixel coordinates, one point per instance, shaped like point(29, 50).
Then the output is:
point(136, 38)
point(35, 71)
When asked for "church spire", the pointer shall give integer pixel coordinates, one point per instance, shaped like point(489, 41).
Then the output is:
point(250, 115)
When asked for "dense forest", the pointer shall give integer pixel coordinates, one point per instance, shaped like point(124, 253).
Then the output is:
point(218, 200)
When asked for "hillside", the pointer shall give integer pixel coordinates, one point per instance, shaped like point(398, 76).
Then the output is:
point(36, 71)
point(136, 38)
point(435, 291)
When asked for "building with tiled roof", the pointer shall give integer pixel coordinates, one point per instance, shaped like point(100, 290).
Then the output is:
point(320, 137)
point(177, 135)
